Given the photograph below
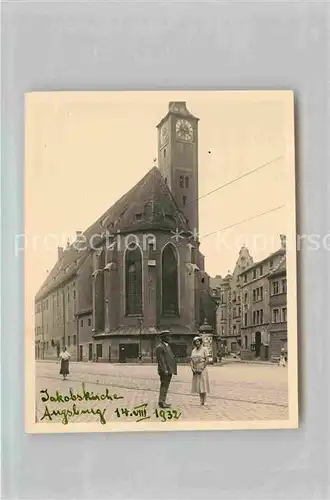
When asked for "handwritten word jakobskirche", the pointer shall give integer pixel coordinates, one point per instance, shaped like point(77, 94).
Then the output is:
point(141, 412)
point(85, 396)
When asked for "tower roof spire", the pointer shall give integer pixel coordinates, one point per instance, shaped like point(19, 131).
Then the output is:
point(178, 108)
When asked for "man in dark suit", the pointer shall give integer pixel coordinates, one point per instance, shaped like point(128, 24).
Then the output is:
point(166, 366)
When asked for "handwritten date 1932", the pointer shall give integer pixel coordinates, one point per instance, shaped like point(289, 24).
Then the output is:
point(140, 412)
point(165, 415)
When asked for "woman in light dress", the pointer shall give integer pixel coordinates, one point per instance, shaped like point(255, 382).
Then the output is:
point(199, 359)
point(64, 357)
point(282, 361)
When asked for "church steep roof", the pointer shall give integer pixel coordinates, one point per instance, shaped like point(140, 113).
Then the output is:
point(148, 206)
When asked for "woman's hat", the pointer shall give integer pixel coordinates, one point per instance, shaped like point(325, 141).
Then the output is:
point(164, 332)
point(198, 337)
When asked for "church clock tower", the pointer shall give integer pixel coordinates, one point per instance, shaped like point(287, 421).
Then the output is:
point(178, 158)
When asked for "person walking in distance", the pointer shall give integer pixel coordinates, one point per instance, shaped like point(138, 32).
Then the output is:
point(166, 367)
point(65, 358)
point(282, 361)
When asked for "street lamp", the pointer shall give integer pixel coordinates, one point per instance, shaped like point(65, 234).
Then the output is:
point(140, 320)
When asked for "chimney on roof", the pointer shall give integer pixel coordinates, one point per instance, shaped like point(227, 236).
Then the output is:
point(283, 240)
point(60, 252)
point(78, 233)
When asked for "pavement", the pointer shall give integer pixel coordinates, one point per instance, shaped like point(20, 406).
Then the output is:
point(113, 392)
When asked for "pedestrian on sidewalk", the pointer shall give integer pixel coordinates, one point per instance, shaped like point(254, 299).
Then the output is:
point(282, 361)
point(166, 367)
point(200, 380)
point(65, 358)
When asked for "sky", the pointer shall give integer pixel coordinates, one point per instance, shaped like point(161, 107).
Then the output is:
point(84, 150)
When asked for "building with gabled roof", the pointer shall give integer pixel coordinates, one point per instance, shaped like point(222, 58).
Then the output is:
point(138, 268)
point(229, 304)
point(257, 303)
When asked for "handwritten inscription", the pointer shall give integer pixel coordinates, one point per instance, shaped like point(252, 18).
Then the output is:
point(74, 411)
point(65, 414)
point(141, 413)
point(56, 406)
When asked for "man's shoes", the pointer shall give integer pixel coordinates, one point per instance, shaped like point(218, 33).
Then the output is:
point(164, 405)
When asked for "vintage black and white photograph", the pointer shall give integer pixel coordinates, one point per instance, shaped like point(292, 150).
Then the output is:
point(160, 261)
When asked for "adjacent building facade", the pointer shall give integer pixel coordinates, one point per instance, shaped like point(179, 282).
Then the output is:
point(138, 269)
point(230, 303)
point(278, 338)
point(252, 311)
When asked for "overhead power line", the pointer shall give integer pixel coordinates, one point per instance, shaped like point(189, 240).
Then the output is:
point(244, 221)
point(253, 217)
point(237, 178)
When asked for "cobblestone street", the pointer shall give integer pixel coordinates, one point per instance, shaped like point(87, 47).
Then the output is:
point(238, 392)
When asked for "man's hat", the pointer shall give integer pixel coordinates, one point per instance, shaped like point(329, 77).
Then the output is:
point(165, 332)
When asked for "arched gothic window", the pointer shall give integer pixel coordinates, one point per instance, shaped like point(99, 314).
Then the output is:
point(170, 304)
point(133, 268)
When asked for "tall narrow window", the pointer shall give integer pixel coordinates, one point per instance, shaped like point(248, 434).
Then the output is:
point(184, 200)
point(186, 179)
point(193, 255)
point(276, 316)
point(133, 267)
point(181, 181)
point(169, 281)
point(275, 288)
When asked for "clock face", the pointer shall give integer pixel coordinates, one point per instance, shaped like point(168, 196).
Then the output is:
point(184, 130)
point(164, 134)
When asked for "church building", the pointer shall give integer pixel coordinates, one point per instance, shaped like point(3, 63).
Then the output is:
point(138, 269)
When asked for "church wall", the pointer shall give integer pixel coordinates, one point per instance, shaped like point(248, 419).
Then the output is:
point(151, 288)
point(84, 285)
point(186, 284)
point(126, 349)
point(55, 318)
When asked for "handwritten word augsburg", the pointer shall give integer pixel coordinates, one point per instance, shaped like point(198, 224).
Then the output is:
point(66, 413)
point(75, 397)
